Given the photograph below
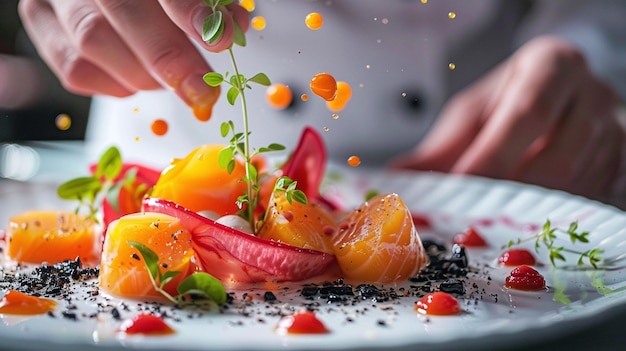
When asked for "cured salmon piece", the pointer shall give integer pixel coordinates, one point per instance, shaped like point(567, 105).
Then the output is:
point(308, 226)
point(123, 271)
point(378, 242)
point(53, 237)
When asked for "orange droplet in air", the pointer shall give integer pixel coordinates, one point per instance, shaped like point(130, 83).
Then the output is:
point(324, 85)
point(137, 139)
point(15, 302)
point(258, 22)
point(354, 161)
point(304, 97)
point(279, 96)
point(344, 93)
point(136, 109)
point(314, 21)
point(159, 127)
point(451, 15)
point(247, 4)
point(63, 121)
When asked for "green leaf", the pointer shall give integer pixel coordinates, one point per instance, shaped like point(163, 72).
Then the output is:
point(232, 95)
point(238, 81)
point(130, 177)
point(203, 284)
point(212, 3)
point(272, 147)
point(213, 79)
point(113, 196)
point(251, 173)
point(213, 27)
point(224, 129)
point(150, 258)
point(79, 188)
point(239, 37)
point(225, 157)
point(299, 196)
point(231, 166)
point(110, 164)
point(370, 194)
point(225, 2)
point(260, 78)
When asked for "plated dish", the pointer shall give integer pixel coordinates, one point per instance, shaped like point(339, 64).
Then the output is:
point(492, 314)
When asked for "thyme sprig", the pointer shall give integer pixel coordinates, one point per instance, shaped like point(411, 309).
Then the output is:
point(547, 237)
point(239, 142)
point(198, 284)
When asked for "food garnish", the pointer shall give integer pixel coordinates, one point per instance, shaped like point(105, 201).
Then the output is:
point(145, 324)
point(15, 302)
point(525, 278)
point(548, 236)
point(303, 322)
point(439, 304)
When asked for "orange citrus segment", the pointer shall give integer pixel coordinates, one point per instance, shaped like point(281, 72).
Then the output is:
point(198, 183)
point(122, 269)
point(307, 226)
point(378, 242)
point(52, 237)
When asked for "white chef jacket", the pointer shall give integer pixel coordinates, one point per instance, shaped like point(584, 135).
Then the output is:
point(395, 54)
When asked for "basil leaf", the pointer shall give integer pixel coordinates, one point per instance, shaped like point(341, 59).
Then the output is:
point(213, 27)
point(110, 164)
point(260, 78)
point(150, 258)
point(203, 284)
point(299, 196)
point(239, 37)
point(232, 95)
point(79, 188)
point(213, 79)
point(226, 155)
point(113, 196)
point(225, 2)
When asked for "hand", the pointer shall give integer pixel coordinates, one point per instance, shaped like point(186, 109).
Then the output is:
point(540, 118)
point(119, 47)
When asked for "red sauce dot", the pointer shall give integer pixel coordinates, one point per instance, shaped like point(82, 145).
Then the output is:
point(147, 324)
point(301, 323)
point(438, 303)
point(470, 238)
point(517, 257)
point(159, 127)
point(525, 278)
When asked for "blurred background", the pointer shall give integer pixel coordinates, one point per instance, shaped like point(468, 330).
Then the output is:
point(38, 118)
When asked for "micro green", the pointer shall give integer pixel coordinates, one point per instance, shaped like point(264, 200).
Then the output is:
point(239, 142)
point(198, 284)
point(548, 236)
point(106, 181)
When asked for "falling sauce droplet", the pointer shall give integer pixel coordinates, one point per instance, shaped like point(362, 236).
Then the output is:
point(385, 20)
point(452, 66)
point(354, 161)
point(137, 139)
point(304, 97)
point(279, 96)
point(451, 15)
point(335, 116)
point(324, 85)
point(314, 21)
point(424, 1)
point(159, 127)
point(247, 4)
point(63, 121)
point(343, 95)
point(368, 66)
point(136, 109)
point(258, 22)
point(326, 129)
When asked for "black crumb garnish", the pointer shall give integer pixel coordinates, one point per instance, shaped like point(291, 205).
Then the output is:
point(269, 296)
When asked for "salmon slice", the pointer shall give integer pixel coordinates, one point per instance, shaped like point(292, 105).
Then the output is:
point(378, 242)
point(53, 237)
point(123, 271)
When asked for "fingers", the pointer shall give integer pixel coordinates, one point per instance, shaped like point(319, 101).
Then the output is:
point(535, 98)
point(95, 39)
point(76, 73)
point(455, 129)
point(162, 48)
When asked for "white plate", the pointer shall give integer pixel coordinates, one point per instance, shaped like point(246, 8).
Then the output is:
point(493, 317)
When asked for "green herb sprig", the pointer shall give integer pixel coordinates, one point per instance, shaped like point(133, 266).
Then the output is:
point(239, 143)
point(548, 236)
point(106, 180)
point(198, 284)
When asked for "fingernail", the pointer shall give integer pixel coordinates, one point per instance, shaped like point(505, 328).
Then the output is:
point(199, 96)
